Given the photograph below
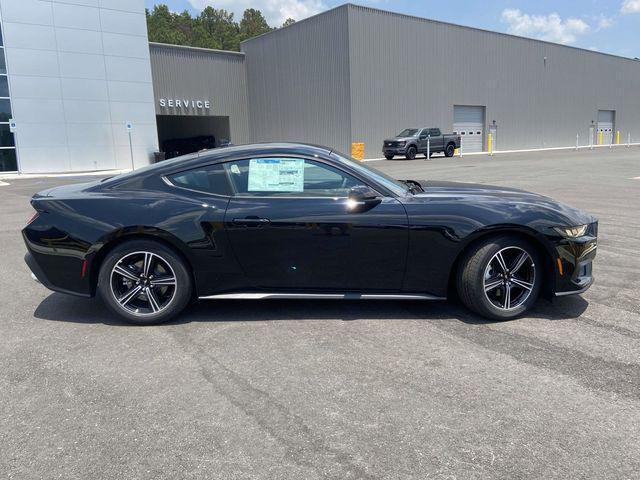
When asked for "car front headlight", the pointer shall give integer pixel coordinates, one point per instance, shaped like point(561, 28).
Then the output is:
point(572, 232)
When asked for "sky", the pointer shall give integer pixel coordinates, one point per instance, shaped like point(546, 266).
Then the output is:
point(610, 26)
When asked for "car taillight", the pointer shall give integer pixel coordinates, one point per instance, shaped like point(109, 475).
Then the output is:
point(32, 218)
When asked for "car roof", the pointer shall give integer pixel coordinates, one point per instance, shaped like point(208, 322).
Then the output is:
point(192, 160)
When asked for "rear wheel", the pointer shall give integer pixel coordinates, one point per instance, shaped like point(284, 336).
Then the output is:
point(450, 150)
point(500, 278)
point(145, 282)
point(388, 157)
point(411, 152)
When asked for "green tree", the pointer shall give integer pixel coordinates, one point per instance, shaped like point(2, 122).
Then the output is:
point(185, 25)
point(217, 29)
point(288, 21)
point(163, 26)
point(213, 28)
point(253, 24)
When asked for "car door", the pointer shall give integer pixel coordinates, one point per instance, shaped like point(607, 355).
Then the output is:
point(422, 140)
point(292, 227)
point(436, 140)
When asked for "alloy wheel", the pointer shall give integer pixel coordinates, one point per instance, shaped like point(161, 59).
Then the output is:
point(143, 283)
point(509, 278)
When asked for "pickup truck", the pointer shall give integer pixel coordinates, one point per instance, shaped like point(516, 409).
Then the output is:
point(412, 141)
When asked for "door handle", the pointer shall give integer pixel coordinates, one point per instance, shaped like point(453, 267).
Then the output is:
point(251, 221)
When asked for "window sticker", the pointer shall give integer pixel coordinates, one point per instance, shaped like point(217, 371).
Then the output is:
point(235, 169)
point(276, 175)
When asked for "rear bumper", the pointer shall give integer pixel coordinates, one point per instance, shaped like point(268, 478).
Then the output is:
point(37, 274)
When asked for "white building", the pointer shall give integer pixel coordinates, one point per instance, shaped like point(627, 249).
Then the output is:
point(77, 71)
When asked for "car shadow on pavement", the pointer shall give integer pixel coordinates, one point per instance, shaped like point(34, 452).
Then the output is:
point(64, 308)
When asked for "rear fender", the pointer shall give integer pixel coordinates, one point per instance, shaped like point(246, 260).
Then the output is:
point(99, 250)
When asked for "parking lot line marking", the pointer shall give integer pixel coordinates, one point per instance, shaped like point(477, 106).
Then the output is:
point(3, 184)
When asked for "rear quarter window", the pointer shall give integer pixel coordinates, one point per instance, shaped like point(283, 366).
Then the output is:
point(210, 179)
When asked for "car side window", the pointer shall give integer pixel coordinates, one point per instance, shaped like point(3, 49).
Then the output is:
point(208, 179)
point(288, 177)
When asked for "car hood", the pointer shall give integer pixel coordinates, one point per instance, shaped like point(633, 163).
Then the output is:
point(504, 198)
point(399, 139)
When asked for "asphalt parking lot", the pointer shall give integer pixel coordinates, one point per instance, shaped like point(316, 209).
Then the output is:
point(340, 390)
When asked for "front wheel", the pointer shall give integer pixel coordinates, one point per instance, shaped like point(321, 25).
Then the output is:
point(145, 282)
point(411, 152)
point(500, 278)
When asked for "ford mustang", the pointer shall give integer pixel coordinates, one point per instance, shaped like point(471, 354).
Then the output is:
point(302, 221)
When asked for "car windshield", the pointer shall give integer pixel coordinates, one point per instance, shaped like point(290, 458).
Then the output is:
point(408, 132)
point(396, 186)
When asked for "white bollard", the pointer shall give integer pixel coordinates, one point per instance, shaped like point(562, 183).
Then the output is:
point(429, 146)
point(577, 140)
point(628, 139)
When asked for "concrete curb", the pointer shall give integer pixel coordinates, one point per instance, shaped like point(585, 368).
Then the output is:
point(528, 150)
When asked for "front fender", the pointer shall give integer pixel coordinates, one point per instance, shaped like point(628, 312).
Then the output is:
point(442, 227)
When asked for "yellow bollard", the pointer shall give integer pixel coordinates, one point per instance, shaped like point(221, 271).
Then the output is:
point(357, 151)
point(600, 137)
point(618, 137)
point(490, 144)
point(456, 152)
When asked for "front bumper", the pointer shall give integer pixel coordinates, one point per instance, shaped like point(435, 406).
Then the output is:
point(574, 263)
point(387, 150)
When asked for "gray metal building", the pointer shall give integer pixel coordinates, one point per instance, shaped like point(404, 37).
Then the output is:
point(76, 74)
point(199, 92)
point(357, 74)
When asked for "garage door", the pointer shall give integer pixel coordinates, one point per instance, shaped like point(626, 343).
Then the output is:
point(606, 120)
point(468, 122)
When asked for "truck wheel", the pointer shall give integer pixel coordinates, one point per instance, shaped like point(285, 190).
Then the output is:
point(450, 150)
point(411, 152)
point(388, 157)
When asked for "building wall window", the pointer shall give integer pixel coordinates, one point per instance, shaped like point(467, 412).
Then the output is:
point(8, 159)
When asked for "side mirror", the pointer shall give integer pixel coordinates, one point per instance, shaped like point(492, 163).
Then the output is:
point(363, 198)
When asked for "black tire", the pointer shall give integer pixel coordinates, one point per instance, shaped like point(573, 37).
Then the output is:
point(168, 299)
point(475, 268)
point(389, 157)
point(450, 150)
point(411, 152)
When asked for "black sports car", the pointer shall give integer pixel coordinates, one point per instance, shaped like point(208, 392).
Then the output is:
point(297, 221)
